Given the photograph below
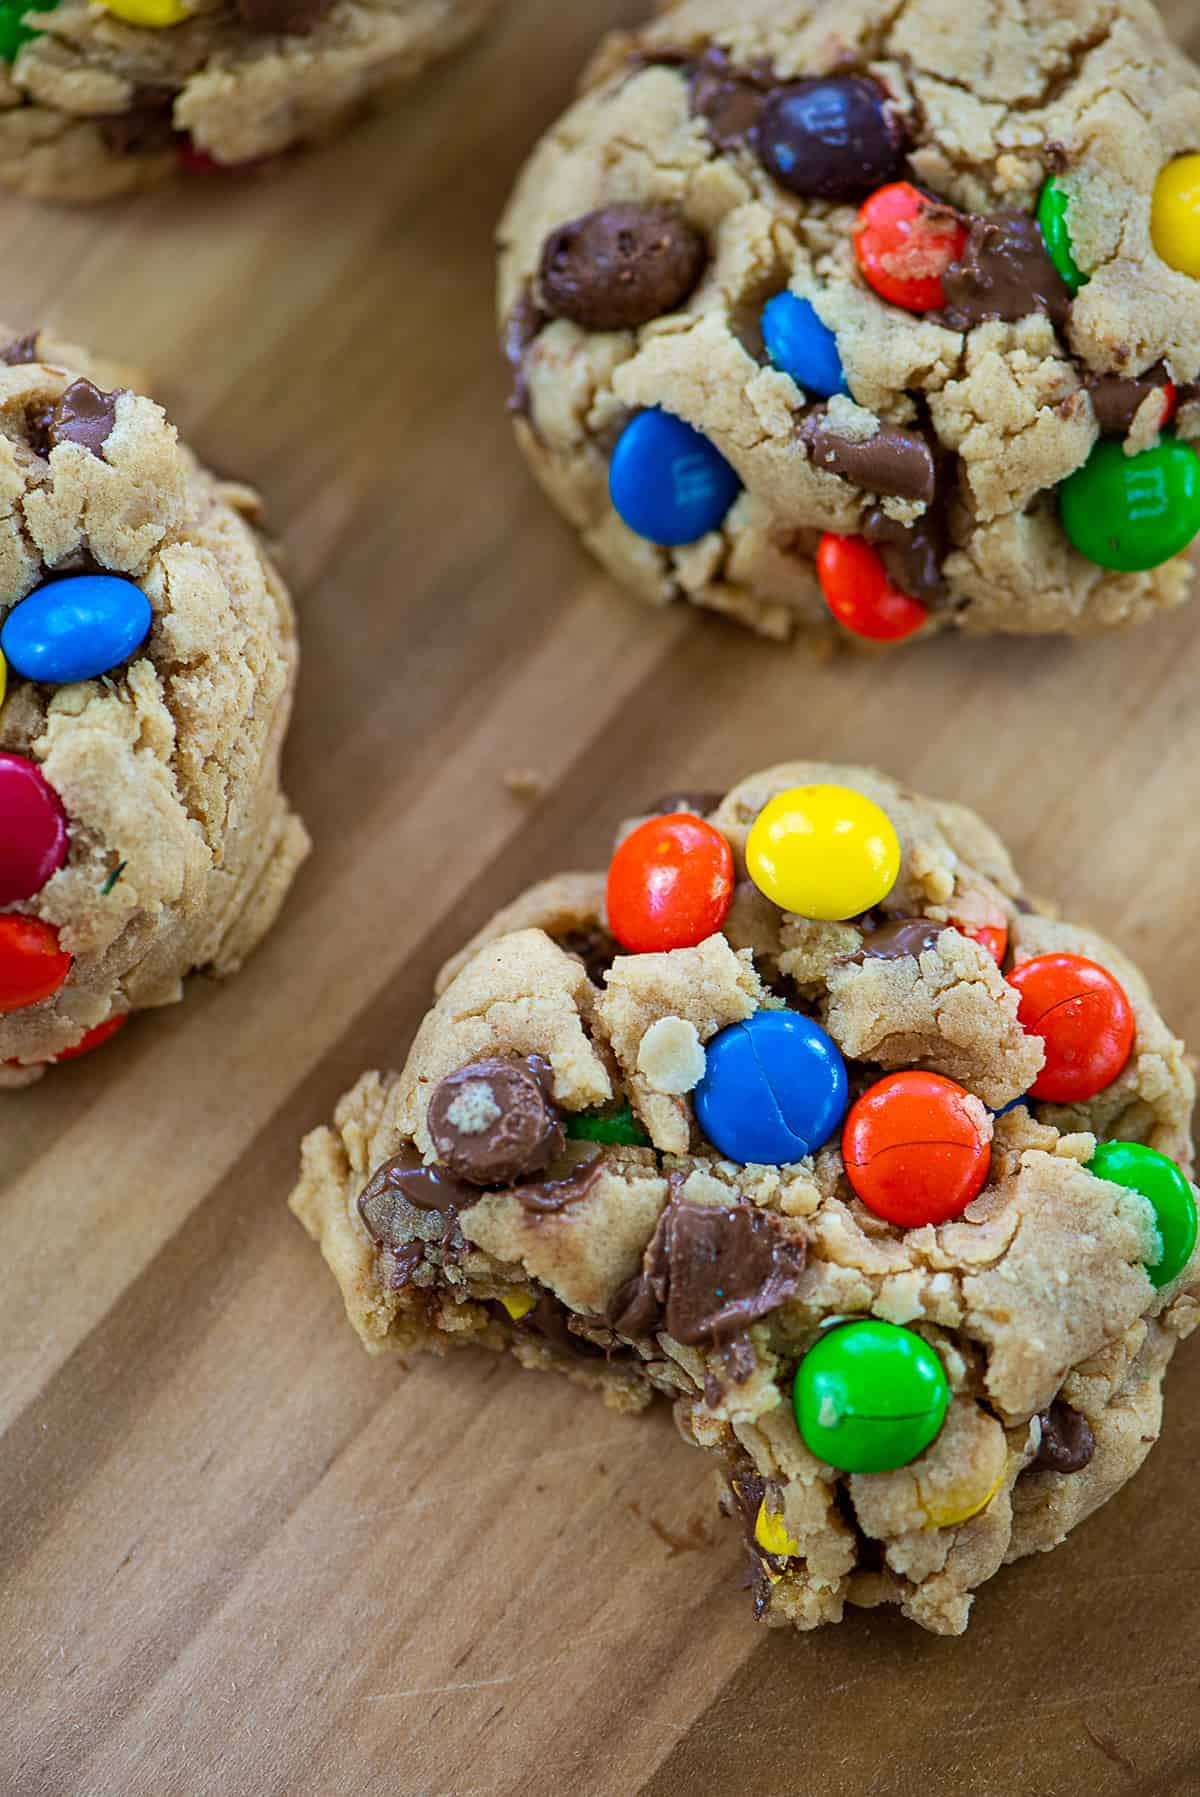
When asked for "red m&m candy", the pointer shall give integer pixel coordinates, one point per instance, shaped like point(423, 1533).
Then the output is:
point(670, 884)
point(94, 1038)
point(33, 830)
point(905, 242)
point(860, 595)
point(993, 937)
point(32, 966)
point(1083, 1017)
point(917, 1149)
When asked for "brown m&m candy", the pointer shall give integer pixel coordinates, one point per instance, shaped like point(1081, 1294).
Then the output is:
point(831, 139)
point(618, 268)
point(495, 1121)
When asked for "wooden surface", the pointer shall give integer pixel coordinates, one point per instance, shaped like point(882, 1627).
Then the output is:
point(236, 1556)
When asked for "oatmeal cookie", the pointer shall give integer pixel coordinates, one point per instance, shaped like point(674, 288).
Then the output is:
point(806, 1118)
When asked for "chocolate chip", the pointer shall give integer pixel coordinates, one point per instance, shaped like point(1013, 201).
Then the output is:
point(38, 420)
point(1068, 1444)
point(728, 99)
point(912, 553)
point(900, 937)
point(700, 803)
point(620, 267)
point(895, 462)
point(1004, 272)
point(559, 1189)
point(282, 18)
point(20, 350)
point(1117, 402)
point(495, 1121)
point(83, 415)
point(834, 138)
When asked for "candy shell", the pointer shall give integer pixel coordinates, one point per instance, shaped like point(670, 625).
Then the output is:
point(774, 1089)
point(1084, 1018)
point(33, 829)
point(799, 344)
point(860, 595)
point(1175, 215)
point(1056, 234)
point(667, 482)
point(1135, 512)
point(76, 629)
point(32, 966)
point(917, 1149)
point(670, 884)
point(905, 242)
point(823, 851)
point(619, 1127)
point(870, 1397)
point(1168, 1191)
point(152, 15)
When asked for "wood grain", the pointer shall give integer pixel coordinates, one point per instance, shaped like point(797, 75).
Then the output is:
point(238, 1557)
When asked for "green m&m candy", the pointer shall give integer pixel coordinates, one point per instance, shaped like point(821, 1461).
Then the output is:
point(1133, 512)
point(869, 1397)
point(619, 1127)
point(1166, 1189)
point(1052, 217)
point(13, 30)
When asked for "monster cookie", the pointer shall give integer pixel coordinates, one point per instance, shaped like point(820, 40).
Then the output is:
point(147, 662)
point(101, 97)
point(807, 1118)
point(871, 319)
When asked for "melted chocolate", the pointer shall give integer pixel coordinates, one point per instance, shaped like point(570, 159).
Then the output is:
point(898, 938)
point(83, 415)
point(1005, 272)
point(1068, 1444)
point(1117, 401)
point(544, 1195)
point(898, 463)
point(406, 1178)
point(912, 554)
point(729, 100)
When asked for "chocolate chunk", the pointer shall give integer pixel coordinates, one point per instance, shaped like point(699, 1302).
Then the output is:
point(21, 349)
point(282, 18)
point(900, 937)
point(594, 947)
point(700, 803)
point(495, 1121)
point(620, 267)
point(709, 1272)
point(144, 128)
point(399, 1265)
point(835, 138)
point(730, 100)
point(524, 322)
point(894, 462)
point(912, 553)
point(38, 420)
point(83, 415)
point(1068, 1444)
point(1117, 402)
point(549, 1320)
point(406, 1177)
point(1005, 272)
point(568, 1187)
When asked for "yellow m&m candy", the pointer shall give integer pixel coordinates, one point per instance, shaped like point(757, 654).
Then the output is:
point(1175, 218)
point(154, 15)
point(824, 852)
point(772, 1536)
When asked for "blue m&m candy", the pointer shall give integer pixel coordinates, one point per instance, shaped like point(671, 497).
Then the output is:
point(667, 482)
point(799, 344)
point(76, 629)
point(774, 1089)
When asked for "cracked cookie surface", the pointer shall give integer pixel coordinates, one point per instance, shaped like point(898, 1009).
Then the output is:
point(621, 1247)
point(953, 420)
point(176, 846)
point(94, 105)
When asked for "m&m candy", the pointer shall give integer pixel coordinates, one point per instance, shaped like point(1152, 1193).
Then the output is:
point(670, 884)
point(1056, 234)
point(1168, 1192)
point(93, 1038)
point(1175, 215)
point(916, 1150)
point(774, 1089)
point(993, 937)
point(905, 242)
point(33, 829)
point(823, 851)
point(667, 482)
point(869, 1397)
point(1083, 1017)
point(1133, 512)
point(833, 137)
point(799, 344)
point(14, 28)
point(618, 1126)
point(76, 629)
point(154, 15)
point(859, 593)
point(32, 966)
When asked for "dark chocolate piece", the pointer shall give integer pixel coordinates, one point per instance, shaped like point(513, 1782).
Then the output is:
point(20, 350)
point(898, 463)
point(730, 100)
point(833, 138)
point(898, 938)
point(912, 553)
point(620, 267)
point(495, 1121)
point(83, 415)
point(1117, 401)
point(1005, 272)
point(1068, 1444)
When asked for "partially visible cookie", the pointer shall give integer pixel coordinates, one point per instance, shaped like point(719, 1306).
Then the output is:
point(147, 664)
point(806, 1118)
point(98, 100)
point(871, 319)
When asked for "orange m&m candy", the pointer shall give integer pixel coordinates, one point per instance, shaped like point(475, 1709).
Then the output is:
point(670, 884)
point(32, 966)
point(917, 1148)
point(860, 595)
point(905, 242)
point(993, 937)
point(1084, 1018)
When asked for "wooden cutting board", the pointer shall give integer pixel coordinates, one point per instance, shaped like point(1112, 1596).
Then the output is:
point(239, 1558)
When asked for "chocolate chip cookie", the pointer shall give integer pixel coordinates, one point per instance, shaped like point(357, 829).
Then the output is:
point(871, 320)
point(805, 1117)
point(147, 664)
point(101, 99)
